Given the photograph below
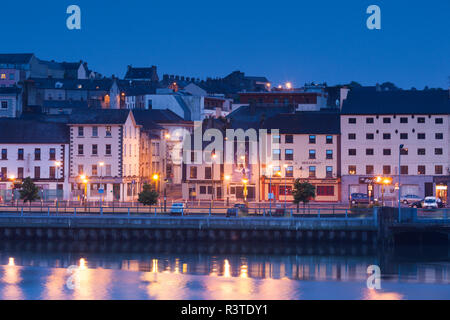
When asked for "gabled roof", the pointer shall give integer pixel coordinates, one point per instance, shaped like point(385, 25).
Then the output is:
point(142, 73)
point(397, 102)
point(99, 116)
point(15, 58)
point(32, 131)
point(305, 122)
point(246, 117)
point(144, 118)
point(160, 115)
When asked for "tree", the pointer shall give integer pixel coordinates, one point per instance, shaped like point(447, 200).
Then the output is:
point(303, 192)
point(29, 191)
point(148, 196)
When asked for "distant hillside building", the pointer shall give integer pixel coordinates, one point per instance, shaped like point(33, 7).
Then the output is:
point(142, 74)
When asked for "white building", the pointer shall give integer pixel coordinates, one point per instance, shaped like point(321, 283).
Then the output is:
point(37, 150)
point(104, 147)
point(375, 124)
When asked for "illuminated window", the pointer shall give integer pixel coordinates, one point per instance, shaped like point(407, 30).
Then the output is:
point(3, 76)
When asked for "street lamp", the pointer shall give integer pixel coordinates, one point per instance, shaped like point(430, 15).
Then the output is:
point(285, 186)
point(245, 182)
point(155, 179)
point(85, 181)
point(227, 179)
point(399, 176)
point(102, 164)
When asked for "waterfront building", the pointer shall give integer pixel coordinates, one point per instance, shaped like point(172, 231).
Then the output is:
point(104, 155)
point(375, 123)
point(35, 149)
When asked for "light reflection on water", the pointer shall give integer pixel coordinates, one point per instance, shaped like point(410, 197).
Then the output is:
point(168, 274)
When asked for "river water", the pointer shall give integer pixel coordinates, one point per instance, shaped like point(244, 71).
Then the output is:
point(247, 271)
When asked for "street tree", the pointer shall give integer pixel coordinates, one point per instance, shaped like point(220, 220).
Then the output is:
point(148, 196)
point(303, 192)
point(29, 192)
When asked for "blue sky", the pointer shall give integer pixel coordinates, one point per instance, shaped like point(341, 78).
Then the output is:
point(290, 40)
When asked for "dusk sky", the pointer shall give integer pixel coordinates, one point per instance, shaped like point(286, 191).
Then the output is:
point(290, 40)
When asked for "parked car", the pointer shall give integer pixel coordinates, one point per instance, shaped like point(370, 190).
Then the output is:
point(432, 203)
point(240, 209)
point(359, 198)
point(177, 208)
point(417, 204)
point(410, 198)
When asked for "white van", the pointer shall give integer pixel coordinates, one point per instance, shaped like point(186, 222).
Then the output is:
point(430, 203)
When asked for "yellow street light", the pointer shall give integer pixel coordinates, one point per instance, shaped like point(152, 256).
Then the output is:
point(288, 85)
point(228, 178)
point(244, 181)
point(155, 177)
point(278, 173)
point(58, 163)
point(167, 136)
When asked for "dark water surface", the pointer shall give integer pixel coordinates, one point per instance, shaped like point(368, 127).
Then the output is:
point(44, 270)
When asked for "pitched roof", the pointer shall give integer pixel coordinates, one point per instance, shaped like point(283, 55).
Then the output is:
point(99, 116)
point(15, 58)
point(397, 102)
point(32, 131)
point(142, 73)
point(246, 117)
point(160, 115)
point(305, 122)
point(10, 90)
point(144, 118)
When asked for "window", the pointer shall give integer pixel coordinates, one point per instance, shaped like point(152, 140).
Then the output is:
point(289, 172)
point(312, 171)
point(404, 152)
point(276, 154)
point(329, 155)
point(94, 170)
point(94, 149)
point(37, 172)
point(369, 120)
point(52, 155)
point(403, 136)
point(421, 136)
point(386, 120)
point(108, 150)
point(421, 170)
point(369, 152)
point(4, 172)
point(438, 170)
point(20, 173)
point(352, 120)
point(386, 169)
point(386, 136)
point(108, 132)
point(37, 154)
point(193, 173)
point(276, 139)
point(352, 152)
point(95, 131)
point(4, 154)
point(3, 76)
point(421, 152)
point(80, 131)
point(351, 170)
point(289, 138)
point(438, 151)
point(80, 149)
point(404, 169)
point(329, 140)
point(312, 139)
point(11, 76)
point(439, 136)
point(108, 170)
point(289, 154)
point(202, 189)
point(4, 104)
point(329, 173)
point(52, 172)
point(20, 154)
point(370, 136)
point(439, 120)
point(275, 170)
point(386, 152)
point(421, 120)
point(208, 173)
point(312, 154)
point(352, 136)
point(325, 190)
point(369, 169)
point(80, 169)
point(403, 120)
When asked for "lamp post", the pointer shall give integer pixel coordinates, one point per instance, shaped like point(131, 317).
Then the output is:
point(270, 188)
point(13, 179)
point(57, 165)
point(285, 186)
point(245, 182)
point(227, 179)
point(102, 164)
point(399, 176)
point(85, 181)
